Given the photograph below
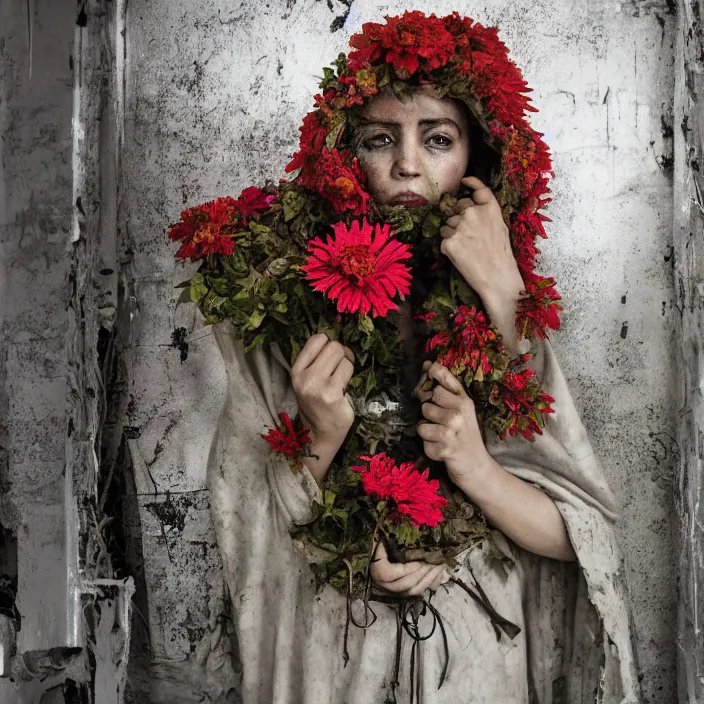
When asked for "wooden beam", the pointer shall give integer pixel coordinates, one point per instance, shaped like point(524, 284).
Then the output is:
point(688, 240)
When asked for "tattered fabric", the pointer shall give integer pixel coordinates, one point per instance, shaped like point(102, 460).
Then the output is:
point(574, 646)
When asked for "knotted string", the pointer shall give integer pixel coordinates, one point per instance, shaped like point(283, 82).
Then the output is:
point(409, 611)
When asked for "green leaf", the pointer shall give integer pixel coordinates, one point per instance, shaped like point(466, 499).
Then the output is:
point(365, 324)
point(293, 202)
point(185, 296)
point(444, 300)
point(197, 292)
point(431, 225)
point(328, 77)
point(258, 228)
point(295, 349)
point(277, 267)
point(255, 320)
point(334, 133)
point(405, 533)
point(258, 340)
point(383, 76)
point(249, 281)
point(370, 384)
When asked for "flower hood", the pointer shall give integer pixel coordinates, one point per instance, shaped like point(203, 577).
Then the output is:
point(467, 62)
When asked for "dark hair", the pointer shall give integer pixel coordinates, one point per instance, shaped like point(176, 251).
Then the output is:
point(484, 161)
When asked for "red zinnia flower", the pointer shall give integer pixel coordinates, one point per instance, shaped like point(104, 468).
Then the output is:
point(360, 268)
point(204, 229)
point(288, 441)
point(410, 41)
point(415, 495)
point(208, 228)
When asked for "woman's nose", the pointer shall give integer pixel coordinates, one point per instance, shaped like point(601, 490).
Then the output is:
point(406, 161)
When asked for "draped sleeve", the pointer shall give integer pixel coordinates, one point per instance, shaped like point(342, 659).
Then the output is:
point(577, 616)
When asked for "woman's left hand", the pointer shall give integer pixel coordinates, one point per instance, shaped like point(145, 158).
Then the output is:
point(477, 242)
point(451, 431)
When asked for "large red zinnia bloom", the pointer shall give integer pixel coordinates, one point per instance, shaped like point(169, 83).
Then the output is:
point(415, 495)
point(360, 268)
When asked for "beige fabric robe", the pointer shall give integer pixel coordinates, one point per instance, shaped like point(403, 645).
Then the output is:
point(574, 646)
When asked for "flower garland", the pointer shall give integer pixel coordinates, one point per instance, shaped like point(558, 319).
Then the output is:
point(267, 268)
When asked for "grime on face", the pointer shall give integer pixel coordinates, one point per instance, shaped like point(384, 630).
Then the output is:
point(412, 151)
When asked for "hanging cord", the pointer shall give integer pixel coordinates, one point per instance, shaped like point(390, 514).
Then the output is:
point(368, 620)
point(497, 620)
point(409, 611)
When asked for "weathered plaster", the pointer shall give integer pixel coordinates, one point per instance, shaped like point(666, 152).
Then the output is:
point(215, 93)
point(35, 214)
point(688, 239)
point(212, 96)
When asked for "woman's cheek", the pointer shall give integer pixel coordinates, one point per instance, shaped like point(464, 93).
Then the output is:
point(373, 172)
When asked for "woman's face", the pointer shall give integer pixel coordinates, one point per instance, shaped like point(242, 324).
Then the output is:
point(412, 152)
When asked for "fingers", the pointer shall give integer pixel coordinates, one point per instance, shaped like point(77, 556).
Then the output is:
point(410, 578)
point(482, 193)
point(446, 393)
point(462, 204)
point(442, 398)
point(384, 571)
point(433, 434)
point(436, 414)
point(324, 353)
point(445, 377)
point(447, 231)
point(410, 581)
point(418, 390)
point(344, 372)
point(442, 578)
point(310, 351)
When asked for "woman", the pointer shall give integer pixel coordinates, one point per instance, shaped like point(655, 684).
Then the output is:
point(413, 152)
point(554, 584)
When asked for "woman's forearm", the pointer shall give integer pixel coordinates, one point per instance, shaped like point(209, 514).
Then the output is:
point(323, 451)
point(519, 510)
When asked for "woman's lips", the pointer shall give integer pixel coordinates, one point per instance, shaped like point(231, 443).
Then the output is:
point(412, 200)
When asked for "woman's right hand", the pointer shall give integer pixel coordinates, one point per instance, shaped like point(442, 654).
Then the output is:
point(319, 377)
point(406, 578)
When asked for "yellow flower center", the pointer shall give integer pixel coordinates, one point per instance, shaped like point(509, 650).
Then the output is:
point(205, 234)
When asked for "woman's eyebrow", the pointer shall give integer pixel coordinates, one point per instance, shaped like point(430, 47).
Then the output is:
point(430, 122)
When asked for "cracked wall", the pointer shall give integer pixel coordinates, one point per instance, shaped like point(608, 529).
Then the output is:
point(215, 93)
point(212, 97)
point(35, 216)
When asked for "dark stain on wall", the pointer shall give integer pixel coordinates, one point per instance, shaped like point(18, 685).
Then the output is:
point(172, 511)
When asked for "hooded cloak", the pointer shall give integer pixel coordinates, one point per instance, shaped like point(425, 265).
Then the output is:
point(574, 644)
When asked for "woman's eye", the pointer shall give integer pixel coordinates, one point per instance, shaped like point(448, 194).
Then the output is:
point(378, 140)
point(440, 140)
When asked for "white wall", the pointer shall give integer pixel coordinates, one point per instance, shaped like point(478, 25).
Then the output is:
point(215, 92)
